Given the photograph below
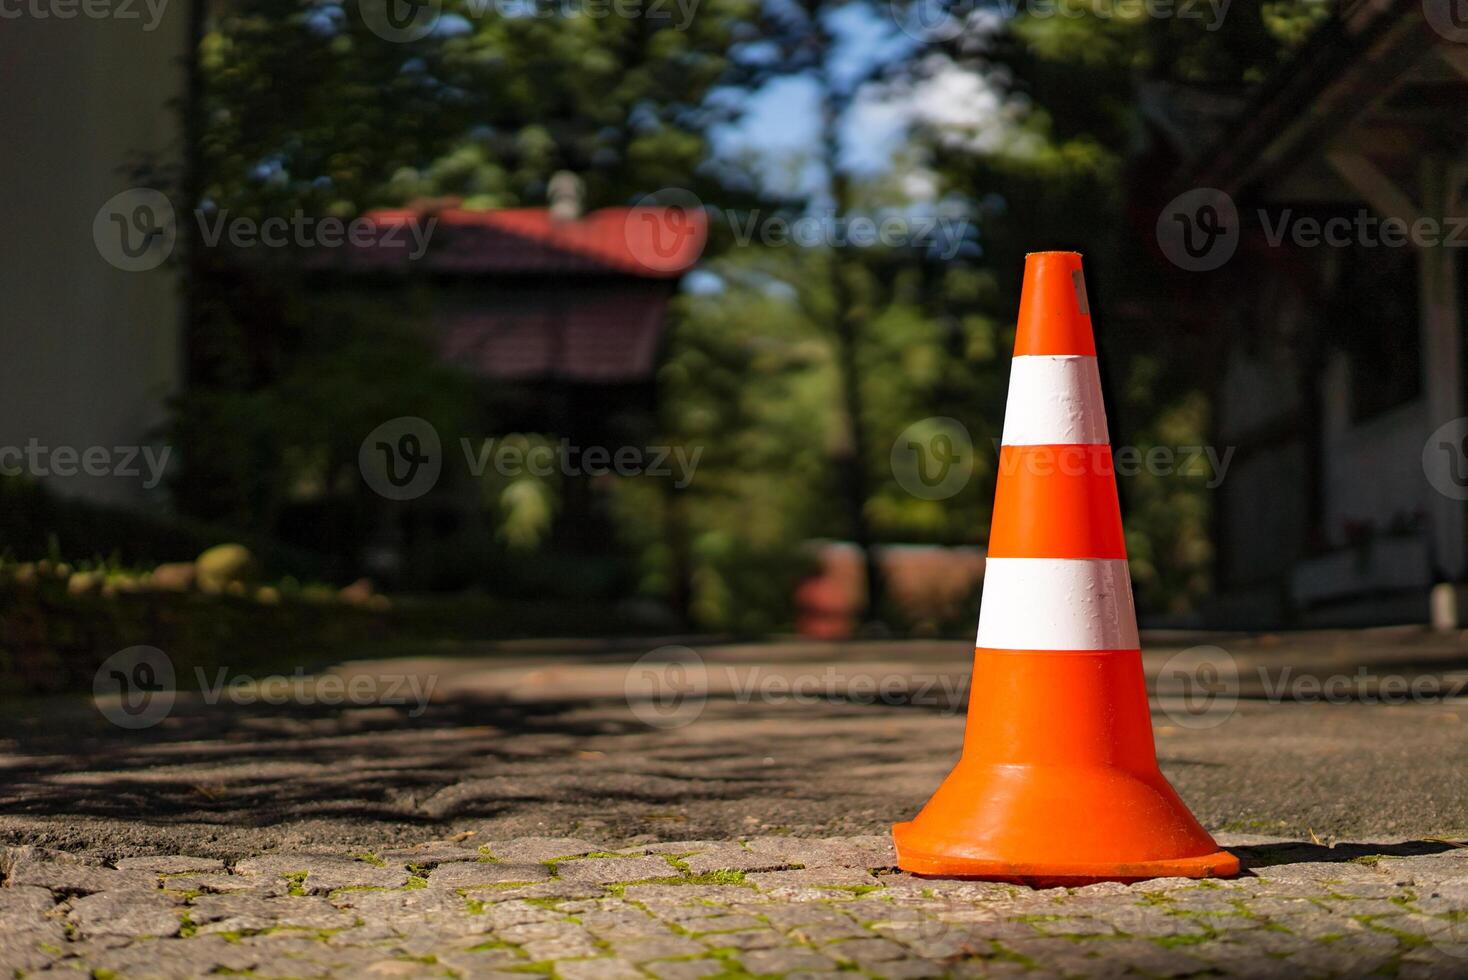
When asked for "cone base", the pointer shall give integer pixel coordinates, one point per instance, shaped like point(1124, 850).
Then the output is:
point(1046, 874)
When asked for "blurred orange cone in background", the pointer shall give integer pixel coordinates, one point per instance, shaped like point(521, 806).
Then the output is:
point(1058, 782)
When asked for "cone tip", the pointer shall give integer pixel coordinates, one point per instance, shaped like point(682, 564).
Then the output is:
point(1034, 255)
point(1054, 313)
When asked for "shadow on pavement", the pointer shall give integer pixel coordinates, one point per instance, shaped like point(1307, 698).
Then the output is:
point(1305, 852)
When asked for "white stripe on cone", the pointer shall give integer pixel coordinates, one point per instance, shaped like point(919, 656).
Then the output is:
point(1055, 401)
point(1057, 604)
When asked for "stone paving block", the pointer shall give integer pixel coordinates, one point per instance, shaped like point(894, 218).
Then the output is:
point(1153, 960)
point(601, 968)
point(133, 914)
point(24, 905)
point(942, 944)
point(432, 853)
point(1322, 871)
point(733, 857)
point(479, 874)
point(170, 864)
point(77, 879)
point(629, 923)
point(536, 850)
point(606, 871)
point(516, 913)
point(553, 889)
point(926, 889)
point(682, 846)
point(672, 895)
point(556, 928)
point(477, 962)
point(747, 939)
point(559, 949)
point(726, 923)
point(324, 872)
point(390, 967)
point(786, 960)
point(1162, 885)
point(787, 917)
point(1427, 867)
point(221, 884)
point(820, 933)
point(684, 969)
point(914, 969)
point(252, 913)
point(657, 948)
point(31, 947)
point(1250, 964)
point(806, 878)
point(176, 958)
point(843, 852)
point(397, 904)
point(864, 952)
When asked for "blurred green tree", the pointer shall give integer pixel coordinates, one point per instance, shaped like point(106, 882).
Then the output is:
point(1071, 125)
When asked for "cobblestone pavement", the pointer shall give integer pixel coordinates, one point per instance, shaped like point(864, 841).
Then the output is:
point(761, 906)
point(535, 818)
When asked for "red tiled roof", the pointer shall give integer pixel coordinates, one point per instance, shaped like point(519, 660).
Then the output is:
point(646, 242)
point(598, 334)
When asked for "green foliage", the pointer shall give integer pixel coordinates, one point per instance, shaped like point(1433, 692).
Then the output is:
point(306, 107)
point(341, 365)
point(1057, 176)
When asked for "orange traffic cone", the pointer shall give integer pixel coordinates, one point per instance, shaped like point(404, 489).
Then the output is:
point(1058, 782)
